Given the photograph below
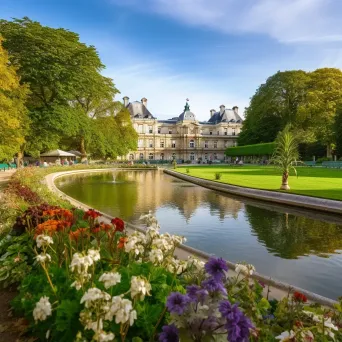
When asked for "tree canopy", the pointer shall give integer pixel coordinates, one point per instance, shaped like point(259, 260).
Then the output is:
point(68, 94)
point(306, 100)
point(14, 120)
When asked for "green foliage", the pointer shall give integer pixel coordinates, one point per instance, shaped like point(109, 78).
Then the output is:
point(338, 130)
point(14, 120)
point(218, 175)
point(16, 259)
point(70, 104)
point(285, 154)
point(307, 100)
point(251, 150)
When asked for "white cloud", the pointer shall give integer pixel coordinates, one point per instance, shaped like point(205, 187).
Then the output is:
point(287, 21)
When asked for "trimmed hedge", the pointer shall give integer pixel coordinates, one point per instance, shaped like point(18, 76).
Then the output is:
point(251, 150)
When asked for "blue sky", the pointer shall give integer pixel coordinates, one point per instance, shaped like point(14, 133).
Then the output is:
point(211, 51)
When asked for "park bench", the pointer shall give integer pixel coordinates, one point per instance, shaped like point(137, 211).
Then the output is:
point(332, 164)
point(310, 163)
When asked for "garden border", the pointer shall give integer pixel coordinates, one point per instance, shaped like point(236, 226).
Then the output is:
point(308, 202)
point(277, 288)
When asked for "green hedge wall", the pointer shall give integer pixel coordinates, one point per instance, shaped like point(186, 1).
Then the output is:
point(251, 150)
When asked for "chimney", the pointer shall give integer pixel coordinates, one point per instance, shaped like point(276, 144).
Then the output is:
point(236, 110)
point(125, 100)
point(144, 101)
point(222, 109)
point(212, 112)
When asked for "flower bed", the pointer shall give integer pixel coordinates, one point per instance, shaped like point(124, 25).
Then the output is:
point(81, 279)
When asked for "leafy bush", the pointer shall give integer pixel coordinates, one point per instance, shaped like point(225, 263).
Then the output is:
point(251, 150)
point(187, 170)
point(323, 159)
point(218, 175)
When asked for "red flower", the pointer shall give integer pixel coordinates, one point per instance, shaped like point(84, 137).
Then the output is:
point(96, 229)
point(119, 224)
point(92, 214)
point(299, 297)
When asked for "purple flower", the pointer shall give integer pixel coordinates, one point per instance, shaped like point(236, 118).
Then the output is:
point(196, 294)
point(216, 267)
point(214, 285)
point(237, 323)
point(169, 334)
point(177, 303)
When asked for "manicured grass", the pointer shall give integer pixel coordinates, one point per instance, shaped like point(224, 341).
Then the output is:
point(311, 181)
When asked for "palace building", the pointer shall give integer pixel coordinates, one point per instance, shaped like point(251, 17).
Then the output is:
point(183, 137)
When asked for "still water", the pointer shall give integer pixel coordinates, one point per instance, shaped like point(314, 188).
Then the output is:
point(302, 248)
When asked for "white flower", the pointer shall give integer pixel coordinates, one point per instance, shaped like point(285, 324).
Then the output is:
point(42, 310)
point(42, 258)
point(132, 317)
point(133, 245)
point(245, 269)
point(92, 295)
point(307, 335)
point(152, 232)
point(43, 240)
point(163, 243)
point(140, 287)
point(198, 264)
point(102, 336)
point(110, 279)
point(330, 325)
point(156, 256)
point(94, 254)
point(286, 336)
point(76, 284)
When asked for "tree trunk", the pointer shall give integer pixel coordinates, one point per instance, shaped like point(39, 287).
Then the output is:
point(20, 157)
point(329, 151)
point(82, 150)
point(284, 183)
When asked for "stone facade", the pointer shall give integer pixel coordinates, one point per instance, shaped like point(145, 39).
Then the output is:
point(183, 137)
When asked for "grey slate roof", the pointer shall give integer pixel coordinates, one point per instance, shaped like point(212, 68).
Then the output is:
point(139, 111)
point(227, 116)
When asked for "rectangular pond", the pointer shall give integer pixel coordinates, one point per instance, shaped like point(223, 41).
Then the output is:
point(299, 247)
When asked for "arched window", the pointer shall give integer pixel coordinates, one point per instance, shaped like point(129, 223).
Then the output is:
point(192, 143)
point(131, 156)
point(162, 156)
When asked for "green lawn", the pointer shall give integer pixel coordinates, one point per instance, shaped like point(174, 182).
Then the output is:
point(311, 181)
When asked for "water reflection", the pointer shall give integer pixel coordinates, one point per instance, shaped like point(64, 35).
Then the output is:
point(291, 245)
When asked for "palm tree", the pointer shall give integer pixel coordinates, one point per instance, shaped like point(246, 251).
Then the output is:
point(285, 155)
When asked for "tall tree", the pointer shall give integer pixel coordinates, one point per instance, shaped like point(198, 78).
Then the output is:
point(338, 130)
point(305, 100)
point(67, 88)
point(274, 105)
point(14, 120)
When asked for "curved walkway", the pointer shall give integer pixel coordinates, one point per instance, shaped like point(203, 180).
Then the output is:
point(315, 203)
point(274, 289)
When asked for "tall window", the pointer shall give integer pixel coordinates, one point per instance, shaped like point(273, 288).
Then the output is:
point(140, 129)
point(150, 156)
point(218, 132)
point(131, 156)
point(150, 129)
point(192, 156)
point(215, 144)
point(192, 143)
point(206, 144)
point(170, 131)
point(159, 130)
point(233, 131)
point(162, 156)
point(141, 156)
point(215, 156)
point(173, 144)
point(150, 143)
point(225, 131)
point(206, 156)
point(140, 143)
point(211, 132)
point(162, 143)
